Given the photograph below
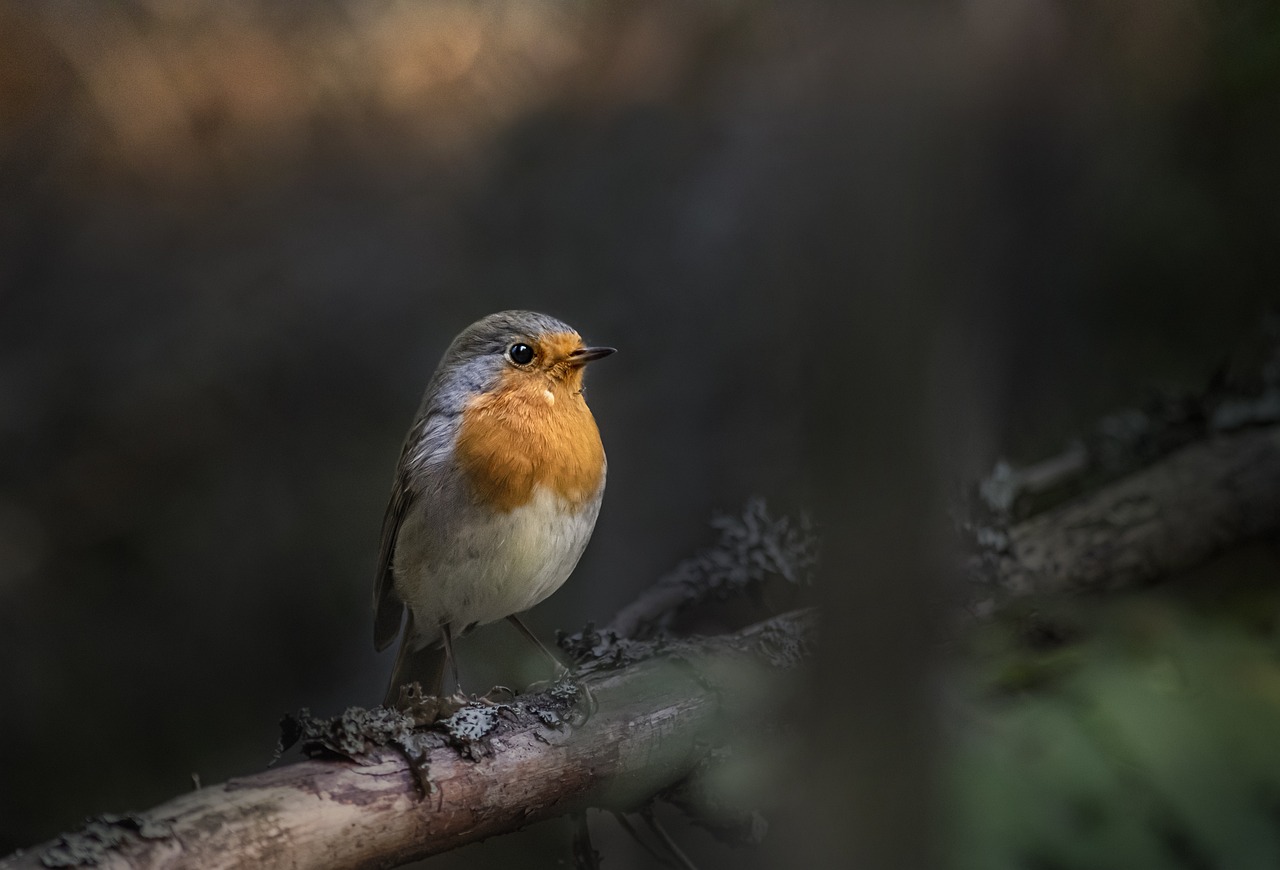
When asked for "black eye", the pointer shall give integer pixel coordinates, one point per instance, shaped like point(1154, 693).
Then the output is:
point(521, 354)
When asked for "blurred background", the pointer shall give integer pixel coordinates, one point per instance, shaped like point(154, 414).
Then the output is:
point(850, 254)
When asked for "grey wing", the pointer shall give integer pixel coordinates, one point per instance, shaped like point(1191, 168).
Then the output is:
point(432, 431)
point(387, 607)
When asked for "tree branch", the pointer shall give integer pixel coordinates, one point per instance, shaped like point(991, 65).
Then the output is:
point(1170, 516)
point(650, 730)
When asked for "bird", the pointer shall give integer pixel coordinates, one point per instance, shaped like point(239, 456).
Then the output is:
point(495, 496)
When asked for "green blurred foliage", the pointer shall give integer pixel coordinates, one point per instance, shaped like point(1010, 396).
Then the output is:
point(1142, 736)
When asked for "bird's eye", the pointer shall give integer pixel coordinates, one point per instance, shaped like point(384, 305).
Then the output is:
point(520, 354)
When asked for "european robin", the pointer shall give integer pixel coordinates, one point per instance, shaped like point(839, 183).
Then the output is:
point(496, 494)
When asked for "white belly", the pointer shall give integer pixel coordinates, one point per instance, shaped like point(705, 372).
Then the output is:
point(489, 565)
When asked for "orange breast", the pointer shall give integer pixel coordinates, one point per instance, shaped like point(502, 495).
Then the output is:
point(532, 431)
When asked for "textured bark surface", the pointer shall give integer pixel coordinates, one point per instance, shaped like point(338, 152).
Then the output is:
point(648, 732)
point(1170, 516)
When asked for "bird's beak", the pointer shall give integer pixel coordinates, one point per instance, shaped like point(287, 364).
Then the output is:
point(584, 355)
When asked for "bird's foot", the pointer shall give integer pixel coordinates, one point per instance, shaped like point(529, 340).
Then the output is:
point(567, 686)
point(426, 709)
point(497, 695)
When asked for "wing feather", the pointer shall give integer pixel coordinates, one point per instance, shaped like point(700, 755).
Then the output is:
point(388, 609)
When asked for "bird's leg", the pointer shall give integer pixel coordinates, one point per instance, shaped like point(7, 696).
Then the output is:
point(446, 637)
point(561, 670)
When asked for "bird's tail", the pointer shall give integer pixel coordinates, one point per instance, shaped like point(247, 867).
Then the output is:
point(424, 666)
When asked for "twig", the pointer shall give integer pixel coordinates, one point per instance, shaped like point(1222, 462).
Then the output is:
point(585, 857)
point(635, 835)
point(652, 821)
point(752, 548)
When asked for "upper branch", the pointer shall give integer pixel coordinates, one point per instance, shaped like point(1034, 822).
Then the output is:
point(1172, 515)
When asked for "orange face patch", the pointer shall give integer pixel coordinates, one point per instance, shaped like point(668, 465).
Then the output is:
point(553, 352)
point(533, 430)
point(555, 346)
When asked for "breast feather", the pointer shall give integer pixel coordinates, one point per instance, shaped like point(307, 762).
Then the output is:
point(513, 440)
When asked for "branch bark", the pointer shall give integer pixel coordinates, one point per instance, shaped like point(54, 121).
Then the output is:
point(1170, 516)
point(648, 732)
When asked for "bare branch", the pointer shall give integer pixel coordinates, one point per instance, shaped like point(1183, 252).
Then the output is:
point(1172, 515)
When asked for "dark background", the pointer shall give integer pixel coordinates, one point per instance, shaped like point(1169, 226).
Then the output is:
point(849, 254)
